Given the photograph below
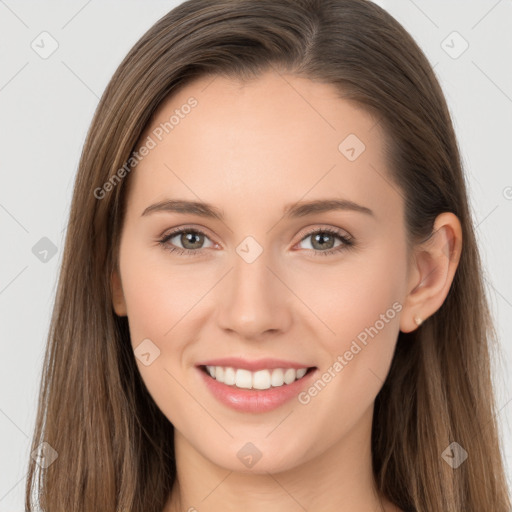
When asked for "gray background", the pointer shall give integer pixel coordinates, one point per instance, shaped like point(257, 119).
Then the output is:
point(47, 105)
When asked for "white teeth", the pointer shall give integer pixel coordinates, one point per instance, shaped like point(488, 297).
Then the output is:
point(229, 376)
point(301, 372)
point(277, 378)
point(261, 379)
point(289, 375)
point(219, 373)
point(243, 379)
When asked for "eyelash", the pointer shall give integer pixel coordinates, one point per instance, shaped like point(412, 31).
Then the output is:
point(348, 242)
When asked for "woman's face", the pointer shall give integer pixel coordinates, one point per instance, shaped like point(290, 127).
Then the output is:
point(264, 271)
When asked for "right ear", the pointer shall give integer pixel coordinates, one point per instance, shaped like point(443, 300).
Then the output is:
point(118, 301)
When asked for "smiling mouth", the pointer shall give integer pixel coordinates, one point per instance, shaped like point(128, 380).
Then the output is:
point(258, 380)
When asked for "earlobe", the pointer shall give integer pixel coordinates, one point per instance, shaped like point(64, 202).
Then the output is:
point(435, 262)
point(118, 302)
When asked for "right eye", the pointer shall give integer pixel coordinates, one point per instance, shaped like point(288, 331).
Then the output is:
point(191, 241)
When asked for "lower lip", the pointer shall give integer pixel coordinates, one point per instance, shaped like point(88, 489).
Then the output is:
point(255, 400)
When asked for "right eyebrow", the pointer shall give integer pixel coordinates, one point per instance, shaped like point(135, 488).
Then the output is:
point(182, 206)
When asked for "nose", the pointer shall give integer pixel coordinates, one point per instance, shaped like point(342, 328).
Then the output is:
point(254, 301)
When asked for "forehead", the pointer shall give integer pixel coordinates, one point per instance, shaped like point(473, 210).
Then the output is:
point(273, 139)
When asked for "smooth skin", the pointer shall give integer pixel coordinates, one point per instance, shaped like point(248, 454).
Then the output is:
point(249, 150)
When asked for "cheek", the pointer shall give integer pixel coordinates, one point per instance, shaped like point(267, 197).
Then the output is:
point(164, 305)
point(160, 300)
point(150, 305)
point(354, 295)
point(158, 293)
point(362, 305)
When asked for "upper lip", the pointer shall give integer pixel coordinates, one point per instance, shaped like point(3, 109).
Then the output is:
point(259, 364)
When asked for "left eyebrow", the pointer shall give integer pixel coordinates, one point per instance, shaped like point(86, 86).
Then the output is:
point(304, 208)
point(300, 209)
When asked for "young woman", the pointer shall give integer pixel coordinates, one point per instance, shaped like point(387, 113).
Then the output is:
point(271, 296)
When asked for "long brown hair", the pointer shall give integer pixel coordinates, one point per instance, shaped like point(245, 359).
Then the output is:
point(115, 447)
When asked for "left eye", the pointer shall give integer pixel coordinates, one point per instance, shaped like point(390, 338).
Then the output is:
point(325, 240)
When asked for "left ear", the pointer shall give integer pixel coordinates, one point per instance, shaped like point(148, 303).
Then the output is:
point(433, 268)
